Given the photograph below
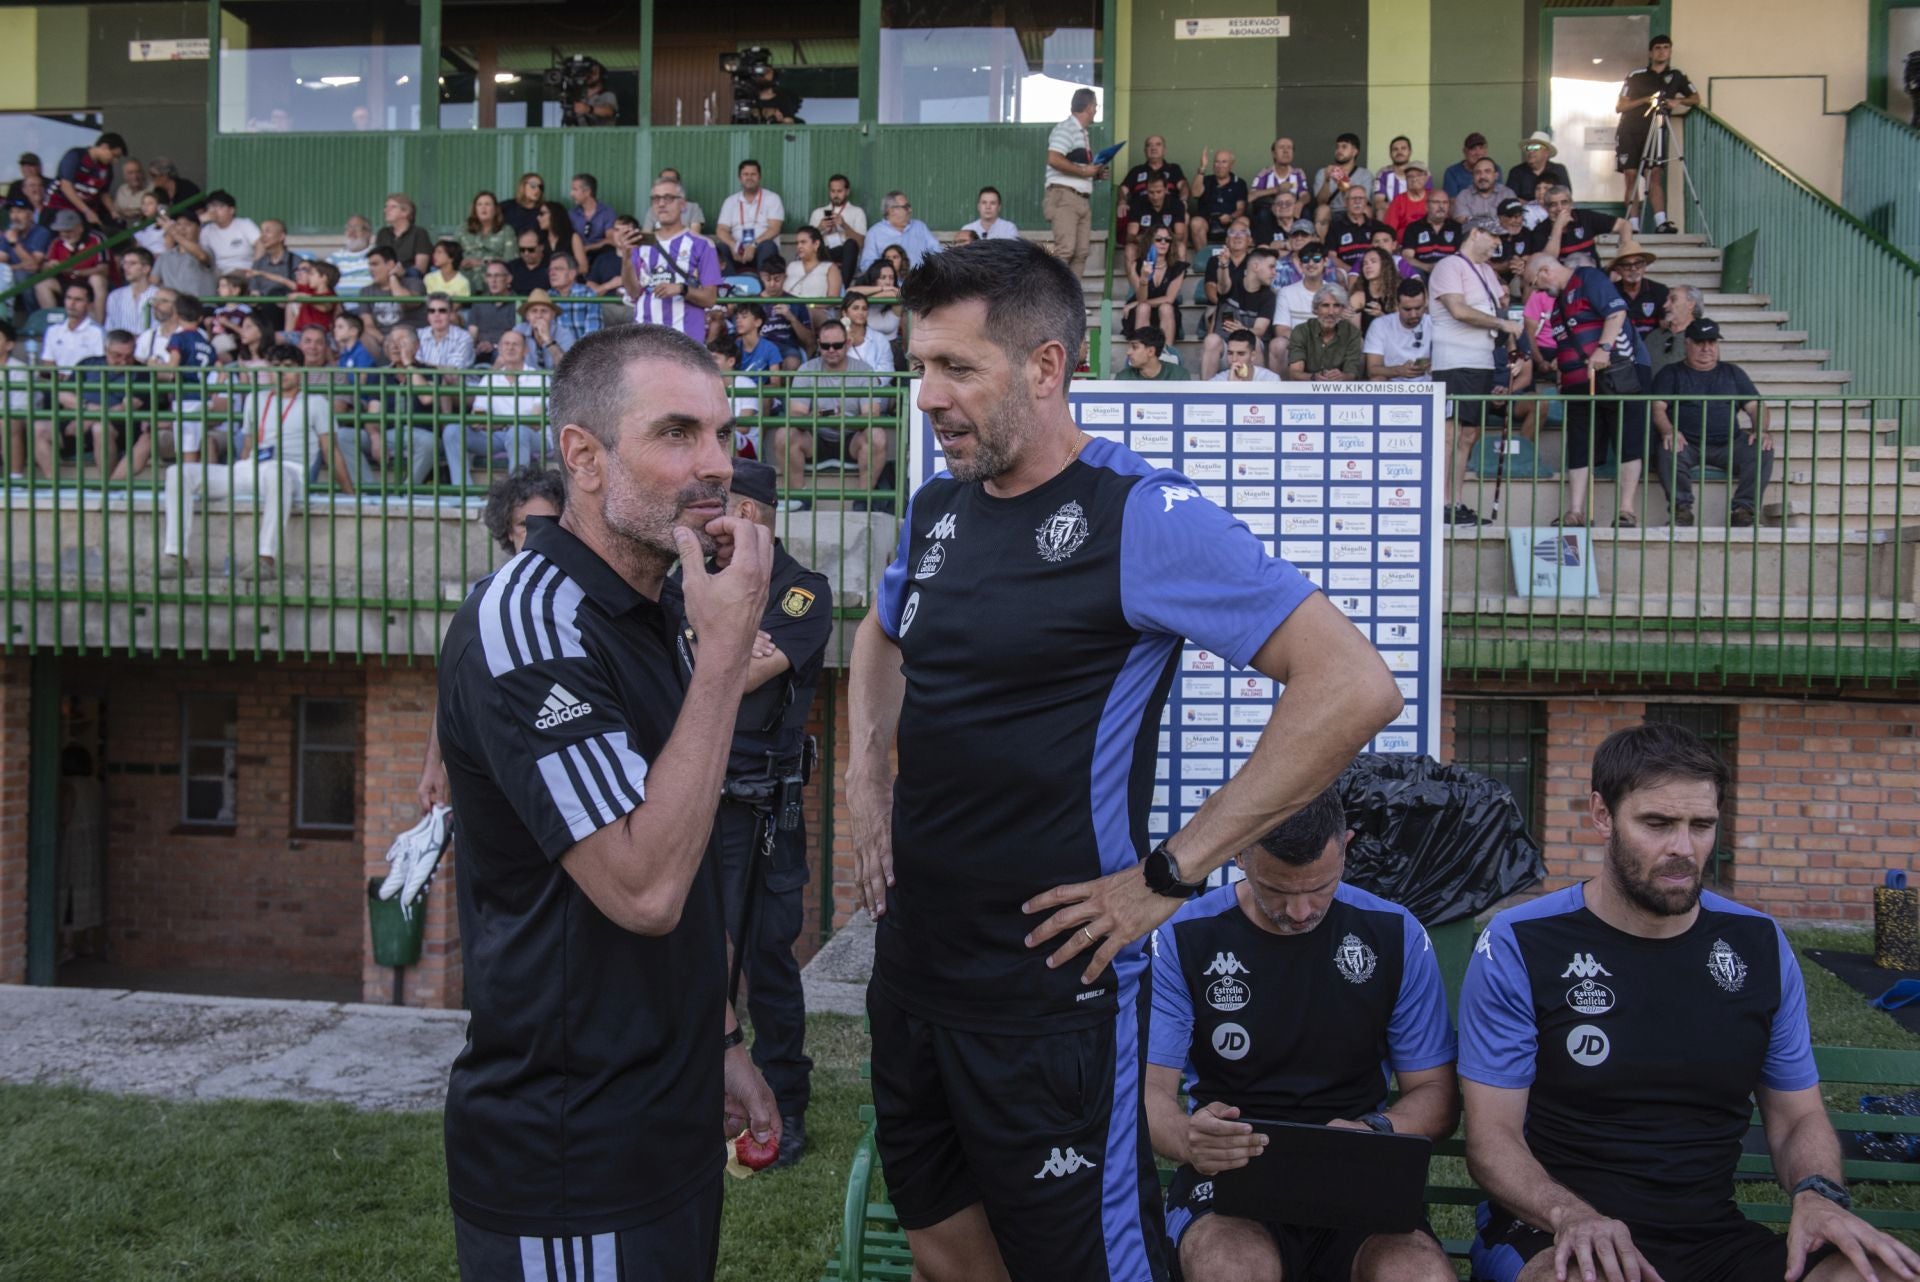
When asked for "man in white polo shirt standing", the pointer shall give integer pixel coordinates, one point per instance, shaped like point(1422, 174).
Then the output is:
point(1068, 203)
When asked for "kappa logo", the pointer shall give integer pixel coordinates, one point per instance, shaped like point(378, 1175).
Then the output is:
point(1060, 1164)
point(559, 708)
point(1176, 494)
point(944, 528)
point(1583, 966)
point(1225, 964)
point(1484, 945)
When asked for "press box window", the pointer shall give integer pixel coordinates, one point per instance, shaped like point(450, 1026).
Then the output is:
point(328, 741)
point(210, 745)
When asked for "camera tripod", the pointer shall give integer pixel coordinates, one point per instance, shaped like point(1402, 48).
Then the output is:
point(1655, 151)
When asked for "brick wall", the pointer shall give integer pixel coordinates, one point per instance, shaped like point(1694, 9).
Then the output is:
point(400, 700)
point(259, 896)
point(15, 760)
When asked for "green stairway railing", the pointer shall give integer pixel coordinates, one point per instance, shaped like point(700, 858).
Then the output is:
point(1882, 176)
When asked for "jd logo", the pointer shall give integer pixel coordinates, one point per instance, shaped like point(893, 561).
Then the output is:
point(1588, 1046)
point(1230, 1041)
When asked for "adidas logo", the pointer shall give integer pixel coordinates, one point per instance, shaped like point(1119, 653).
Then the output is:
point(560, 707)
point(1225, 964)
point(1063, 1164)
point(1583, 966)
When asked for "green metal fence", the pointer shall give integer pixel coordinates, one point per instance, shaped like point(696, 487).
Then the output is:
point(1844, 283)
point(1809, 579)
point(1882, 176)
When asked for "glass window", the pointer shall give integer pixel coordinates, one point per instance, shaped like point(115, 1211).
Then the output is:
point(328, 740)
point(971, 62)
point(756, 64)
point(1501, 738)
point(1591, 58)
point(297, 68)
point(579, 66)
point(1903, 41)
point(209, 745)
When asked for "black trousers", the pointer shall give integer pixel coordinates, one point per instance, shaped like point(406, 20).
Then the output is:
point(775, 1002)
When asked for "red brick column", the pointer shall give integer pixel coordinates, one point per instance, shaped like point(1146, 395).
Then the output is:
point(1575, 728)
point(400, 704)
point(16, 697)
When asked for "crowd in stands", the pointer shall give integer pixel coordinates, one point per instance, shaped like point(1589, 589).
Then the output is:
point(1490, 283)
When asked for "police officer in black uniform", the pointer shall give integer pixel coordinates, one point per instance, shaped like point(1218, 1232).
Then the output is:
point(759, 830)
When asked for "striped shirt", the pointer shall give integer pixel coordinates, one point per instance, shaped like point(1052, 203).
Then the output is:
point(1578, 317)
point(582, 318)
point(695, 258)
point(1270, 180)
point(1068, 137)
point(455, 351)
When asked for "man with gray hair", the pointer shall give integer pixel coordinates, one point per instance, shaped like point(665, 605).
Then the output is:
point(1071, 173)
point(898, 226)
point(585, 744)
point(1328, 348)
point(1666, 345)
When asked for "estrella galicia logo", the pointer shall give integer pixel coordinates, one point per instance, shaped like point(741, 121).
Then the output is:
point(930, 561)
point(1590, 998)
point(1060, 535)
point(1588, 1046)
point(1228, 994)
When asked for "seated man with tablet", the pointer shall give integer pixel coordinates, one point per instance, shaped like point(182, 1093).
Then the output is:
point(1288, 998)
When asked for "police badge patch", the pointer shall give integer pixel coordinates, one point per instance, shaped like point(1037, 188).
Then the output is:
point(1355, 960)
point(796, 602)
point(1060, 535)
point(1726, 966)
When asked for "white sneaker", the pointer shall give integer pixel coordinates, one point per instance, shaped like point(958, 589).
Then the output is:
point(402, 854)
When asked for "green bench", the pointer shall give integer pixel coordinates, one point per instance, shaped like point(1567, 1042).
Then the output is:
point(874, 1246)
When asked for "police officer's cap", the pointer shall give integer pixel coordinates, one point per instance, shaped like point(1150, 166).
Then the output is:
point(754, 480)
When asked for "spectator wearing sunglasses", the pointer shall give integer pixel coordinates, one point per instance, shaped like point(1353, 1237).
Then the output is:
point(528, 266)
point(443, 344)
point(1157, 275)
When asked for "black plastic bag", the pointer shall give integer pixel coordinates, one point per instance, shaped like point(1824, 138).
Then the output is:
point(1443, 842)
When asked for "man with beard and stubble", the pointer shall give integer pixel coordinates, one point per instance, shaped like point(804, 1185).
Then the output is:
point(1614, 1039)
point(585, 747)
point(1008, 864)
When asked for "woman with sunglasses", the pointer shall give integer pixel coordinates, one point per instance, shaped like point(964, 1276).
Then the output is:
point(522, 212)
point(556, 232)
point(486, 236)
point(1156, 276)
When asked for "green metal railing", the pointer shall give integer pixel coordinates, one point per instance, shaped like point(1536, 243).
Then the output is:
point(1882, 176)
point(103, 252)
point(1816, 583)
point(1842, 281)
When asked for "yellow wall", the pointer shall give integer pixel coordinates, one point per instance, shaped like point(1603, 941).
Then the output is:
point(1777, 68)
point(19, 84)
point(1399, 45)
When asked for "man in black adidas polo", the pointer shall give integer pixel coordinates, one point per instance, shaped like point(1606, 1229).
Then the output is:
point(585, 749)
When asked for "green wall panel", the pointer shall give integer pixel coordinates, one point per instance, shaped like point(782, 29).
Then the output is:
point(1480, 72)
point(315, 181)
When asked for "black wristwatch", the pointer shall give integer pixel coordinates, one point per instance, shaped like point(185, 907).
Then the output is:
point(1377, 1122)
point(734, 1038)
point(1825, 1188)
point(1163, 875)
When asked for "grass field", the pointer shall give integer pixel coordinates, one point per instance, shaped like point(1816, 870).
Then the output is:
point(106, 1187)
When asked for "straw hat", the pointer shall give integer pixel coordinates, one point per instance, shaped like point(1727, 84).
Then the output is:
point(1542, 138)
point(538, 298)
point(1631, 248)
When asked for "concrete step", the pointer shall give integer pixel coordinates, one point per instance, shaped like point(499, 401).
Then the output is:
point(1659, 243)
point(1703, 562)
point(1758, 332)
point(1857, 443)
point(1742, 351)
point(1529, 501)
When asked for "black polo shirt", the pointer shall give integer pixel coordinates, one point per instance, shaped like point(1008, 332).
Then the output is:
point(1171, 214)
point(1644, 82)
point(1584, 227)
point(1644, 309)
point(1525, 182)
point(1430, 244)
point(1134, 185)
point(588, 1096)
point(1350, 241)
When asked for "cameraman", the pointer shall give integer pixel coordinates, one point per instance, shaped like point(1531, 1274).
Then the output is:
point(770, 104)
point(593, 103)
point(1647, 97)
point(762, 791)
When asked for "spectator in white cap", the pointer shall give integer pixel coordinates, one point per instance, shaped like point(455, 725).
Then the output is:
point(1537, 165)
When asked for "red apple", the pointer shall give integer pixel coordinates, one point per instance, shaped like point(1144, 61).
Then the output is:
point(753, 1154)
